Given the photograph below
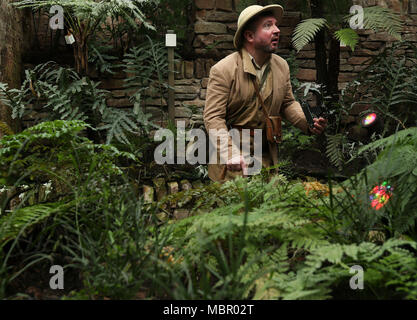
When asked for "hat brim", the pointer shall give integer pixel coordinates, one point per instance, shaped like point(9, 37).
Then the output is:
point(276, 10)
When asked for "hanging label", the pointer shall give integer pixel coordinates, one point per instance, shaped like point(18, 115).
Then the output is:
point(69, 39)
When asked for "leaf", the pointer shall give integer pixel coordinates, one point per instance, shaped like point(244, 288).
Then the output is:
point(348, 36)
point(306, 30)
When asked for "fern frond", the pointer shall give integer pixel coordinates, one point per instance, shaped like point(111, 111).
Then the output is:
point(378, 18)
point(333, 150)
point(22, 219)
point(306, 31)
point(347, 36)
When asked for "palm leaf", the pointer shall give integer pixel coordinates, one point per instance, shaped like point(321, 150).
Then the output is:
point(306, 31)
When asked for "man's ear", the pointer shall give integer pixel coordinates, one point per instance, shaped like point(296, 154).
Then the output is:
point(249, 36)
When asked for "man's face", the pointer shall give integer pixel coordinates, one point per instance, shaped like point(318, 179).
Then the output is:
point(266, 37)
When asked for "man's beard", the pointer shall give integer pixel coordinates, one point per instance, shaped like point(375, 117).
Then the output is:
point(267, 48)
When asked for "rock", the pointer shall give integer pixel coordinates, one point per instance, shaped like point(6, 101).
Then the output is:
point(148, 194)
point(186, 96)
point(203, 94)
point(118, 93)
point(187, 89)
point(189, 69)
point(173, 189)
point(155, 102)
point(185, 185)
point(197, 184)
point(204, 82)
point(202, 27)
point(358, 60)
point(308, 54)
point(199, 69)
point(195, 103)
point(224, 5)
point(306, 75)
point(110, 84)
point(161, 190)
point(205, 4)
point(181, 214)
point(221, 16)
point(119, 103)
point(183, 112)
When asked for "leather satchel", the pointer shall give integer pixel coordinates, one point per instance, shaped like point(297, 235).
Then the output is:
point(273, 123)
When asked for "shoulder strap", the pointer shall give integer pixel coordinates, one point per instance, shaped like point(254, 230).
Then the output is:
point(255, 84)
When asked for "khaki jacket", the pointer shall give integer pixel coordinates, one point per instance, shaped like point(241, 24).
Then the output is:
point(231, 101)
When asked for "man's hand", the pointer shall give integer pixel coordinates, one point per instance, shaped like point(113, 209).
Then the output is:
point(320, 125)
point(236, 164)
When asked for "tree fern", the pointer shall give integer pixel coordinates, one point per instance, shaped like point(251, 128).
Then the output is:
point(347, 36)
point(306, 30)
point(379, 18)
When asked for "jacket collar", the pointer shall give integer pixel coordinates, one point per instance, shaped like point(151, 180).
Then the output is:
point(248, 63)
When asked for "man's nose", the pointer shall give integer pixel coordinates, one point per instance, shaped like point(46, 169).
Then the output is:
point(276, 29)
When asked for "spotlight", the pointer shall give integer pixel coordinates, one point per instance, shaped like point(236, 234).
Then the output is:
point(369, 120)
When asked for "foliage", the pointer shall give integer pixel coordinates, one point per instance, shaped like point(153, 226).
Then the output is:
point(396, 163)
point(93, 217)
point(39, 153)
point(305, 31)
point(348, 37)
point(147, 67)
point(390, 86)
point(84, 18)
point(325, 272)
point(62, 94)
point(297, 244)
point(375, 18)
point(334, 149)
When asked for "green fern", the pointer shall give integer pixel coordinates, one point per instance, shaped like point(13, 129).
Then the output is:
point(306, 30)
point(16, 222)
point(379, 18)
point(147, 68)
point(347, 36)
point(333, 150)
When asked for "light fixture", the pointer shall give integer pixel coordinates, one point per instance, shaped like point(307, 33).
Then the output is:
point(369, 120)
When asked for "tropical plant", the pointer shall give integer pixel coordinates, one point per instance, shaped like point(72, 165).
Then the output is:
point(390, 87)
point(328, 25)
point(147, 68)
point(63, 94)
point(85, 17)
point(80, 173)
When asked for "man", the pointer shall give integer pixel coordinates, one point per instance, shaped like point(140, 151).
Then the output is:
point(231, 99)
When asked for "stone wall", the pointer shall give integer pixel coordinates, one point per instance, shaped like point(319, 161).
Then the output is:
point(216, 23)
point(14, 31)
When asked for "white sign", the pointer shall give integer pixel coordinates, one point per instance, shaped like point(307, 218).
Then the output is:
point(170, 40)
